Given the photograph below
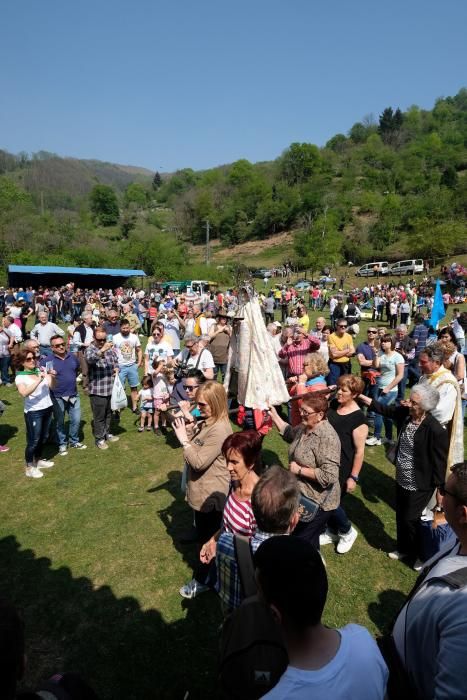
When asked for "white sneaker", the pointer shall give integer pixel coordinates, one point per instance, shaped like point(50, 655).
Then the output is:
point(62, 451)
point(373, 441)
point(192, 589)
point(102, 445)
point(79, 446)
point(328, 537)
point(34, 472)
point(396, 556)
point(112, 438)
point(345, 543)
point(44, 463)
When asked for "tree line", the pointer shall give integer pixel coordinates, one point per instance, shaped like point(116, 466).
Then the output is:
point(393, 186)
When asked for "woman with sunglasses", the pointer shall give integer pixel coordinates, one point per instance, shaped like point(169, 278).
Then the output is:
point(34, 386)
point(208, 478)
point(314, 457)
point(420, 459)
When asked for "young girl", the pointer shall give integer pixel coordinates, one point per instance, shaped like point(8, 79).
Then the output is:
point(146, 403)
point(160, 393)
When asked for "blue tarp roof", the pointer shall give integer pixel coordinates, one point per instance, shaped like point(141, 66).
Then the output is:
point(44, 270)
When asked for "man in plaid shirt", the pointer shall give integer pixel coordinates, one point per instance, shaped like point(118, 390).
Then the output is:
point(275, 501)
point(103, 365)
point(296, 349)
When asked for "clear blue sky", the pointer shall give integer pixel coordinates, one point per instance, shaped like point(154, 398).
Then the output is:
point(196, 84)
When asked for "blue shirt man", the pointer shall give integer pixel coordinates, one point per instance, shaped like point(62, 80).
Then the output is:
point(65, 396)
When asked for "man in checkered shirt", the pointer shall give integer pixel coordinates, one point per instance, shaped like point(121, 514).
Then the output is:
point(103, 365)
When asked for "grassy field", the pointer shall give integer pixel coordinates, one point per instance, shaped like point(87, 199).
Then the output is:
point(90, 554)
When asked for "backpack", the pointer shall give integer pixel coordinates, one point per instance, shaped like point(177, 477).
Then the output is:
point(253, 656)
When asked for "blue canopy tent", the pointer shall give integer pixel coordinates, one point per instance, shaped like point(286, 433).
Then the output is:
point(83, 277)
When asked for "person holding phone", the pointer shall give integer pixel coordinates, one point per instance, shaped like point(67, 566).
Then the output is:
point(65, 397)
point(34, 386)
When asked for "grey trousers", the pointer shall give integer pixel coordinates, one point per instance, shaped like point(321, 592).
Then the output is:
point(100, 407)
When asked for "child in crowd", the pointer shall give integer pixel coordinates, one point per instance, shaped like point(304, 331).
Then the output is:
point(146, 403)
point(161, 393)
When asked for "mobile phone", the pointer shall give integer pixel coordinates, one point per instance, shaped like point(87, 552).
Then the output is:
point(109, 337)
point(49, 366)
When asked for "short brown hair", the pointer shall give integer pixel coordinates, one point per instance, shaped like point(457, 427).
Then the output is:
point(318, 402)
point(275, 500)
point(355, 384)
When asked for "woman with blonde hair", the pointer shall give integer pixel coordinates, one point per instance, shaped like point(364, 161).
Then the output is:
point(313, 379)
point(208, 478)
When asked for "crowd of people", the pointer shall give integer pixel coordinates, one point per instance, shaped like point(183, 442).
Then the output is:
point(339, 388)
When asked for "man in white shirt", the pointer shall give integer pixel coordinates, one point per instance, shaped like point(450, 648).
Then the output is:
point(43, 331)
point(130, 357)
point(324, 663)
point(193, 356)
point(171, 323)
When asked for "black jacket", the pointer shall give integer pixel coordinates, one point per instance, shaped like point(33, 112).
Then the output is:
point(431, 445)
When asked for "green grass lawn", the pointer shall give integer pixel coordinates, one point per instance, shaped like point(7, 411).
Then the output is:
point(90, 554)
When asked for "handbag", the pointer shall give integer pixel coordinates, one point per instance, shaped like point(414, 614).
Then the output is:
point(307, 509)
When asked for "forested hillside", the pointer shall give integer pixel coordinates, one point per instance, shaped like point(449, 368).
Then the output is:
point(395, 185)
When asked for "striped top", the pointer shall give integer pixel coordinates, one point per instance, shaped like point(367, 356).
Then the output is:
point(238, 516)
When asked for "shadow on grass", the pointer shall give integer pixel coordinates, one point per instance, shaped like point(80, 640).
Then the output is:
point(385, 610)
point(7, 432)
point(122, 650)
point(377, 486)
point(269, 457)
point(368, 523)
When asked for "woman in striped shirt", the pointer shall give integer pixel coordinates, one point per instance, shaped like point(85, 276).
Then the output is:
point(242, 453)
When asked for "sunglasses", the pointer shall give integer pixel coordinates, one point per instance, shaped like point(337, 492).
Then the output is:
point(307, 413)
point(444, 492)
point(30, 359)
point(342, 326)
point(58, 345)
point(190, 388)
point(368, 331)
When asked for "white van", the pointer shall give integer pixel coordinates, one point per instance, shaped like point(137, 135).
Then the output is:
point(407, 267)
point(373, 269)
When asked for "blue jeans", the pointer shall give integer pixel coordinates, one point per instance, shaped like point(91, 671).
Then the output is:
point(60, 408)
point(339, 522)
point(4, 365)
point(385, 400)
point(336, 370)
point(37, 430)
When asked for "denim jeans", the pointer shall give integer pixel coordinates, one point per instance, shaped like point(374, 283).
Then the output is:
point(386, 400)
point(37, 430)
point(4, 365)
point(339, 522)
point(60, 408)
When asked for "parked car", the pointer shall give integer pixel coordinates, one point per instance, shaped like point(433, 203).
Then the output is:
point(261, 274)
point(325, 279)
point(302, 286)
point(407, 267)
point(373, 269)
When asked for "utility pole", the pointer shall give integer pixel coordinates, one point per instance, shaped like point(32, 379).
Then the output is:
point(42, 203)
point(208, 251)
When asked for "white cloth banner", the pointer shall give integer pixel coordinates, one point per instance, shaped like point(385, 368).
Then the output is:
point(260, 380)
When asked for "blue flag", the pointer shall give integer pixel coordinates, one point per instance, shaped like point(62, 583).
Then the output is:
point(438, 311)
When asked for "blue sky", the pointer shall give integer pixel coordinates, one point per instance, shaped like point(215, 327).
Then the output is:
point(197, 84)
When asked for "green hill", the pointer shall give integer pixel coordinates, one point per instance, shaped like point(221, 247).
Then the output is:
point(389, 188)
